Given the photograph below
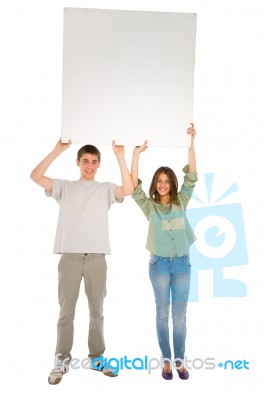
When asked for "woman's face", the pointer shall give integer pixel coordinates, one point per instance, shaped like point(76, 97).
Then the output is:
point(163, 185)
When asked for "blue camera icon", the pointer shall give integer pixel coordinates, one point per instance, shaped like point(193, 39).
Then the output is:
point(220, 243)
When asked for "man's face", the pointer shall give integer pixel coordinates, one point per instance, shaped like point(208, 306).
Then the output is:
point(88, 165)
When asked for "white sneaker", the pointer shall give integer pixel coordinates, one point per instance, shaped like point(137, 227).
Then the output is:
point(107, 371)
point(57, 373)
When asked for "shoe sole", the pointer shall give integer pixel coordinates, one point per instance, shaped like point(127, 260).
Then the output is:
point(107, 373)
point(110, 374)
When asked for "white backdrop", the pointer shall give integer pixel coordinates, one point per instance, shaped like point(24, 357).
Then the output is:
point(229, 114)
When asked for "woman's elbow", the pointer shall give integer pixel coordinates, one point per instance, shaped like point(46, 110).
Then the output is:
point(128, 191)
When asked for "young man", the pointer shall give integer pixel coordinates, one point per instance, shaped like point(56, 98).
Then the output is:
point(82, 240)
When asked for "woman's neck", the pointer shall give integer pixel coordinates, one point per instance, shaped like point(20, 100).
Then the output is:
point(164, 200)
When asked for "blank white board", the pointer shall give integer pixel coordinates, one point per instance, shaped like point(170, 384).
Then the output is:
point(128, 76)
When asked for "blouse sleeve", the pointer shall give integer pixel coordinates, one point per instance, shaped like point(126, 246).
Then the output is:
point(187, 188)
point(142, 200)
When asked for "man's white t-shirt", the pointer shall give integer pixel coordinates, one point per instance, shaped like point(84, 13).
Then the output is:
point(83, 215)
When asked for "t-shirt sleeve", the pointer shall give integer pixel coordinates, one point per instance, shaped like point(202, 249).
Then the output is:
point(142, 200)
point(111, 195)
point(188, 185)
point(56, 192)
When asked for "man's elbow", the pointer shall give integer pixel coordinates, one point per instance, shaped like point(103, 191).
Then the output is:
point(33, 177)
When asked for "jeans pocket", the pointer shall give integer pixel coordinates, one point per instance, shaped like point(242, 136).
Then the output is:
point(187, 261)
point(154, 259)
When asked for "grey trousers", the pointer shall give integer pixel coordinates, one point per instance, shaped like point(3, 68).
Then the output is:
point(72, 267)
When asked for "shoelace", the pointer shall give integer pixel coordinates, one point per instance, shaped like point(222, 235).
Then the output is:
point(59, 369)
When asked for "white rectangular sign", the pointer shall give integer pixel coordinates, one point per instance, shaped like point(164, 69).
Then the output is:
point(128, 76)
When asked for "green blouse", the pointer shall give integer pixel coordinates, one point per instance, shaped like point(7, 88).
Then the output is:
point(169, 233)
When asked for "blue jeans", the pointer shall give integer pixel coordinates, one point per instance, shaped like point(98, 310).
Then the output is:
point(170, 278)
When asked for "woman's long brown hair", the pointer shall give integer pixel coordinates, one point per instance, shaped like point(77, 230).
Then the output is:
point(173, 185)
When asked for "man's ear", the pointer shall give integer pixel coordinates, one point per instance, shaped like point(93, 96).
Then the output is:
point(78, 162)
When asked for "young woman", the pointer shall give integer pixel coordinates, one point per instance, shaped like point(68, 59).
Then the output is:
point(169, 238)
